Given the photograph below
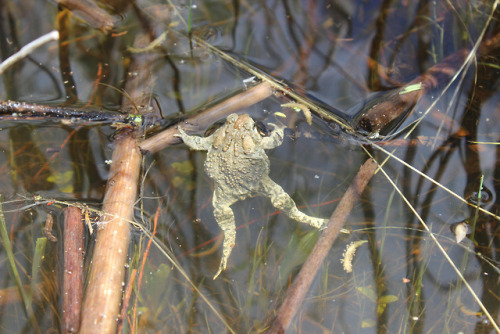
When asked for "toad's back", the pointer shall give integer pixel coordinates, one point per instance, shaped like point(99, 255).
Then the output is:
point(236, 161)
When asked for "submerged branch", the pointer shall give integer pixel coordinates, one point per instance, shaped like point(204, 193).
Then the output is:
point(295, 296)
point(72, 293)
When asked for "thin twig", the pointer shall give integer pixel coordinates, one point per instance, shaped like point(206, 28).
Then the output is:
point(279, 86)
point(126, 300)
point(28, 48)
point(143, 265)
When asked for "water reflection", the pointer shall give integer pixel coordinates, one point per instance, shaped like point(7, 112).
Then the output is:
point(339, 54)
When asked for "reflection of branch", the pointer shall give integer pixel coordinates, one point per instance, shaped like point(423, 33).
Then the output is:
point(63, 19)
point(302, 282)
point(104, 291)
point(90, 12)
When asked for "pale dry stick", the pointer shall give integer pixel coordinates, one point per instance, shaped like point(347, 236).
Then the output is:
point(73, 270)
point(441, 249)
point(208, 117)
point(102, 300)
point(28, 48)
point(301, 284)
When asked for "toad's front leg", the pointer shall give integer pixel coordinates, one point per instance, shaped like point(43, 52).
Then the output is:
point(275, 139)
point(195, 142)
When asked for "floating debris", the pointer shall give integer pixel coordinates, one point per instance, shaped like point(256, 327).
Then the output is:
point(461, 230)
point(298, 107)
point(348, 254)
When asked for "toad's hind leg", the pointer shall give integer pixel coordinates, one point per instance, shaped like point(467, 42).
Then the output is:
point(225, 218)
point(281, 200)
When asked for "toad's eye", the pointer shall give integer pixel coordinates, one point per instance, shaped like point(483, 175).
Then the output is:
point(262, 129)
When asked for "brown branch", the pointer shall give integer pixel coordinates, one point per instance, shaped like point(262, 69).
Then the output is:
point(102, 300)
point(208, 117)
point(73, 270)
point(295, 296)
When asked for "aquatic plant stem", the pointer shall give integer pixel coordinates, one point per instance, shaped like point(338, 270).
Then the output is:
point(295, 295)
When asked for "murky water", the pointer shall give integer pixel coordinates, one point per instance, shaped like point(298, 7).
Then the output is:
point(344, 56)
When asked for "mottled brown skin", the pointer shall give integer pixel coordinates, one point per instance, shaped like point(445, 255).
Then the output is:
point(238, 165)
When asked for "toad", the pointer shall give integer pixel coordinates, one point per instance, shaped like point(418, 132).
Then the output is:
point(238, 165)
